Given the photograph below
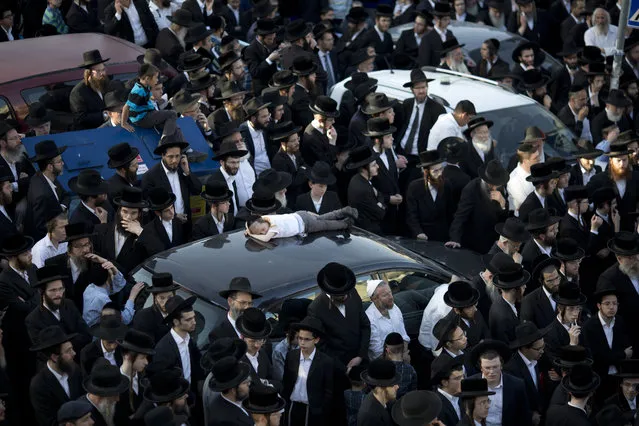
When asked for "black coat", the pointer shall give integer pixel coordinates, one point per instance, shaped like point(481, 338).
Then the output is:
point(600, 121)
point(300, 103)
point(502, 321)
point(70, 321)
point(407, 45)
point(355, 128)
point(283, 163)
point(516, 410)
point(315, 147)
point(87, 107)
point(387, 183)
point(169, 46)
point(80, 21)
point(319, 384)
point(250, 144)
point(154, 238)
point(82, 215)
point(206, 227)
point(531, 203)
point(603, 356)
point(591, 243)
point(223, 329)
point(373, 413)
point(227, 414)
point(565, 28)
point(383, 48)
point(7, 226)
point(346, 337)
point(264, 369)
point(543, 32)
point(41, 204)
point(116, 185)
point(566, 116)
point(73, 290)
point(92, 352)
point(190, 185)
point(537, 308)
point(577, 177)
point(566, 415)
point(255, 55)
point(447, 414)
point(432, 110)
point(556, 337)
point(369, 203)
point(150, 321)
point(476, 332)
point(167, 355)
point(430, 48)
point(494, 68)
point(104, 245)
point(425, 216)
point(456, 179)
point(626, 204)
point(620, 401)
point(555, 201)
point(529, 253)
point(97, 417)
point(236, 28)
point(559, 91)
point(471, 164)
point(330, 202)
point(516, 366)
point(122, 28)
point(47, 395)
point(22, 166)
point(475, 218)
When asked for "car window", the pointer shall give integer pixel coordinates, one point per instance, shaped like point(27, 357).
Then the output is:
point(5, 110)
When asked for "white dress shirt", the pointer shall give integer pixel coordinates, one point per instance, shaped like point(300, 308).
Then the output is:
point(134, 383)
point(219, 224)
point(109, 356)
point(317, 204)
point(454, 401)
point(168, 227)
point(607, 41)
point(63, 379)
point(174, 181)
point(340, 306)
point(261, 161)
point(185, 356)
point(382, 326)
point(545, 250)
point(52, 185)
point(300, 393)
point(496, 403)
point(139, 36)
point(608, 330)
point(409, 129)
point(445, 126)
point(587, 175)
point(512, 306)
point(161, 14)
point(232, 321)
point(518, 187)
point(435, 310)
point(9, 33)
point(442, 34)
point(433, 191)
point(530, 365)
point(253, 360)
point(621, 187)
point(44, 249)
point(120, 239)
point(553, 304)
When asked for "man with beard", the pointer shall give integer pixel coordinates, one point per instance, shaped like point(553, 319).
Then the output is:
point(490, 61)
point(200, 38)
point(231, 95)
point(82, 17)
point(381, 376)
point(544, 179)
point(92, 190)
point(577, 9)
point(570, 254)
point(56, 310)
point(384, 316)
point(151, 320)
point(60, 381)
point(533, 24)
point(538, 306)
point(557, 200)
point(254, 135)
point(452, 124)
point(7, 221)
point(518, 186)
point(482, 148)
point(276, 183)
point(543, 228)
point(353, 38)
point(379, 38)
point(452, 57)
point(503, 317)
point(512, 234)
point(87, 97)
point(231, 161)
point(166, 389)
point(170, 41)
point(14, 161)
point(630, 64)
point(239, 296)
point(616, 103)
point(320, 137)
point(104, 385)
point(410, 39)
point(585, 167)
point(124, 159)
point(46, 195)
point(165, 230)
point(575, 114)
point(233, 68)
point(231, 378)
point(602, 34)
point(525, 56)
point(305, 90)
point(261, 55)
point(494, 15)
point(302, 43)
point(564, 79)
point(481, 206)
point(431, 45)
point(289, 159)
point(429, 204)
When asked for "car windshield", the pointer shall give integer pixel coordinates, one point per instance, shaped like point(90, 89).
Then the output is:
point(509, 125)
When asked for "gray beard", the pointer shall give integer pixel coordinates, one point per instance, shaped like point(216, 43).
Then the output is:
point(459, 67)
point(497, 23)
point(281, 198)
point(15, 155)
point(180, 36)
point(630, 271)
point(107, 410)
point(612, 117)
point(482, 146)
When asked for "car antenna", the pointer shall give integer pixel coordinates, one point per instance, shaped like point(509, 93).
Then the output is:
point(390, 68)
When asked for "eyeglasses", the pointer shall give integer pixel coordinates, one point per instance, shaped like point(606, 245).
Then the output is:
point(244, 303)
point(304, 339)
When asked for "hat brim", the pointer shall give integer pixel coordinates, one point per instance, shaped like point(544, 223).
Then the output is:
point(237, 153)
point(37, 158)
point(163, 63)
point(485, 345)
point(527, 340)
point(322, 180)
point(444, 52)
point(204, 62)
point(159, 207)
point(570, 302)
point(125, 161)
point(460, 304)
point(281, 403)
point(512, 284)
point(376, 110)
point(159, 150)
point(500, 180)
point(389, 131)
point(362, 163)
point(329, 114)
point(228, 292)
point(244, 372)
point(150, 396)
point(474, 394)
point(263, 334)
point(56, 342)
point(521, 237)
point(620, 251)
point(186, 303)
point(239, 349)
point(71, 238)
point(252, 208)
point(579, 254)
point(201, 85)
point(102, 391)
point(590, 154)
point(102, 188)
point(366, 378)
point(350, 83)
point(28, 243)
point(230, 95)
point(301, 326)
point(48, 280)
point(551, 221)
point(302, 73)
point(202, 36)
point(569, 364)
point(134, 348)
point(488, 123)
point(419, 80)
point(537, 84)
point(594, 384)
point(336, 291)
point(535, 179)
point(94, 63)
point(301, 34)
point(284, 181)
point(212, 199)
point(112, 334)
point(37, 121)
point(285, 135)
point(164, 289)
point(120, 203)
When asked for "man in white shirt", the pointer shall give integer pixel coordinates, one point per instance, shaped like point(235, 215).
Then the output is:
point(518, 187)
point(447, 375)
point(258, 117)
point(602, 34)
point(165, 230)
point(142, 30)
point(254, 330)
point(384, 316)
point(325, 43)
point(235, 171)
point(6, 24)
point(161, 10)
point(435, 310)
point(451, 124)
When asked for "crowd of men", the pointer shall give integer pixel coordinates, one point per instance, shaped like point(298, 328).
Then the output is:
point(543, 335)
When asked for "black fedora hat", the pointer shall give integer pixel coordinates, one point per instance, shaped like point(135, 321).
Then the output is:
point(540, 263)
point(284, 79)
point(46, 150)
point(88, 182)
point(569, 294)
point(312, 324)
point(524, 45)
point(51, 336)
point(228, 373)
point(495, 262)
point(273, 180)
point(115, 100)
point(263, 399)
point(449, 45)
point(461, 294)
point(513, 229)
point(624, 243)
point(165, 386)
point(320, 29)
point(453, 149)
point(357, 15)
point(109, 328)
point(196, 33)
point(177, 304)
point(381, 372)
point(571, 355)
point(378, 127)
point(192, 61)
point(138, 341)
point(272, 96)
point(154, 57)
point(533, 79)
point(216, 191)
point(228, 59)
point(92, 58)
point(254, 105)
point(591, 55)
point(587, 153)
point(441, 9)
point(567, 250)
point(163, 416)
point(5, 126)
point(170, 141)
point(542, 172)
point(384, 10)
point(325, 106)
point(417, 76)
point(159, 199)
point(266, 27)
point(493, 173)
point(241, 284)
point(71, 411)
point(360, 56)
point(181, 17)
point(297, 29)
point(229, 149)
point(78, 230)
point(527, 333)
point(541, 218)
point(120, 155)
point(489, 345)
point(581, 379)
point(357, 79)
point(162, 282)
point(16, 244)
point(228, 89)
point(511, 276)
point(618, 98)
point(596, 68)
point(131, 197)
point(336, 279)
point(429, 158)
point(443, 329)
point(200, 81)
point(378, 102)
point(559, 165)
point(575, 192)
point(253, 324)
point(605, 289)
point(472, 388)
point(361, 91)
point(360, 157)
point(38, 115)
point(628, 369)
point(321, 173)
point(105, 379)
point(262, 9)
point(281, 131)
point(476, 122)
point(303, 66)
point(222, 347)
point(569, 48)
point(262, 201)
point(49, 273)
point(602, 195)
point(442, 367)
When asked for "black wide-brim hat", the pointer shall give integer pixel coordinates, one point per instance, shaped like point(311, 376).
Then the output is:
point(533, 79)
point(441, 9)
point(182, 17)
point(197, 33)
point(444, 327)
point(284, 79)
point(311, 324)
point(16, 244)
point(336, 279)
point(51, 336)
point(513, 229)
point(220, 348)
point(541, 262)
point(263, 203)
point(360, 157)
point(88, 182)
point(273, 180)
point(191, 61)
point(177, 389)
point(159, 199)
point(628, 369)
point(588, 153)
point(382, 373)
point(321, 173)
point(524, 45)
point(567, 250)
point(229, 89)
point(357, 79)
point(297, 29)
point(571, 355)
point(216, 191)
point(263, 399)
point(472, 388)
point(138, 341)
point(109, 328)
point(461, 294)
point(162, 282)
point(266, 27)
point(154, 57)
point(588, 380)
point(489, 345)
point(476, 122)
point(121, 155)
point(541, 172)
point(242, 371)
point(450, 45)
point(416, 408)
point(618, 99)
point(92, 58)
point(417, 76)
point(527, 333)
point(253, 324)
point(170, 141)
point(78, 230)
point(178, 304)
point(38, 115)
point(541, 218)
point(283, 130)
point(569, 48)
point(378, 127)
point(48, 274)
point(325, 106)
point(199, 84)
point(46, 150)
point(624, 243)
point(105, 380)
point(303, 66)
point(241, 284)
point(494, 173)
point(569, 294)
point(429, 158)
point(131, 197)
point(511, 276)
point(229, 148)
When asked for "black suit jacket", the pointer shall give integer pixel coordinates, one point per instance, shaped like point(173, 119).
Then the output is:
point(41, 204)
point(283, 163)
point(95, 414)
point(300, 103)
point(330, 202)
point(104, 245)
point(373, 413)
point(537, 308)
point(502, 321)
point(591, 243)
point(531, 203)
point(167, 355)
point(80, 21)
point(122, 28)
point(255, 56)
point(529, 253)
point(457, 179)
point(555, 201)
point(315, 147)
point(430, 48)
point(22, 166)
point(475, 218)
point(7, 226)
point(482, 68)
point(206, 227)
point(603, 356)
point(566, 116)
point(566, 415)
point(600, 121)
point(346, 337)
point(383, 48)
point(87, 107)
point(423, 215)
point(70, 321)
point(236, 28)
point(432, 110)
point(150, 321)
point(566, 26)
point(544, 32)
point(475, 332)
point(169, 46)
point(223, 329)
point(368, 202)
point(116, 185)
point(82, 215)
point(517, 367)
point(556, 337)
point(264, 369)
point(619, 400)
point(227, 413)
point(190, 185)
point(516, 410)
point(154, 238)
point(47, 395)
point(473, 161)
point(90, 354)
point(447, 414)
point(577, 177)
point(407, 45)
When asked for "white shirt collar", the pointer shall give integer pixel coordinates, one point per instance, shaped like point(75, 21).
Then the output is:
point(167, 171)
point(178, 339)
point(528, 362)
point(58, 376)
point(104, 351)
point(604, 323)
point(310, 358)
